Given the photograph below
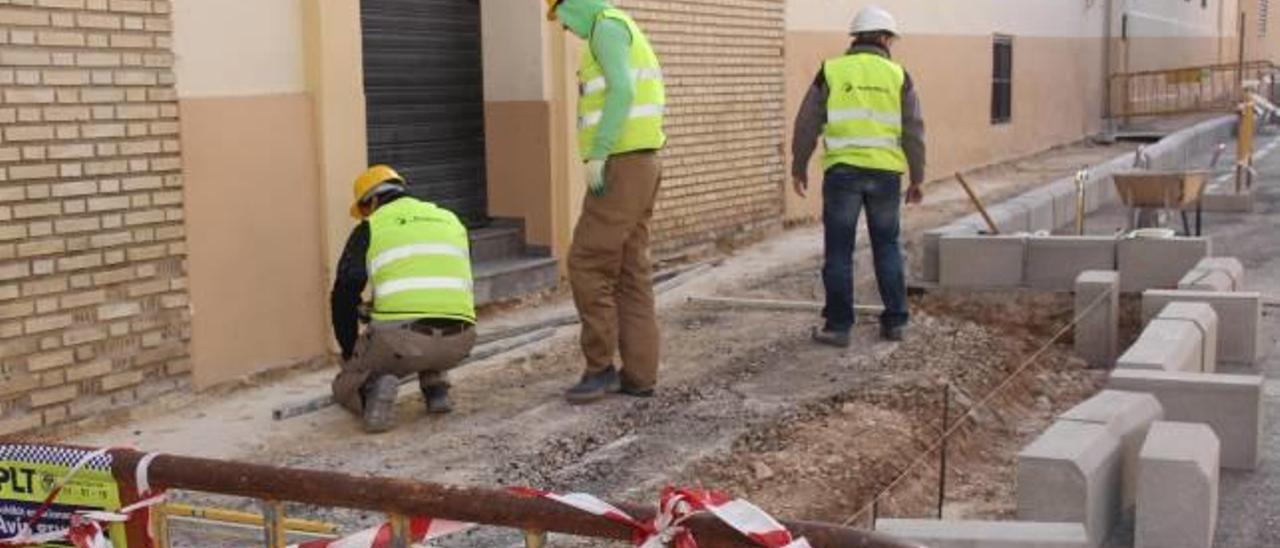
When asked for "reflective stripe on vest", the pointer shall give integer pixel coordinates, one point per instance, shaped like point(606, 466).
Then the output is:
point(864, 113)
point(643, 127)
point(599, 84)
point(386, 289)
point(406, 251)
point(419, 263)
point(636, 112)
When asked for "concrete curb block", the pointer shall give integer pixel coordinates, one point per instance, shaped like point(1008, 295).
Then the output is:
point(1071, 473)
point(1097, 333)
point(1166, 345)
point(1128, 416)
point(1230, 404)
point(1054, 263)
point(1158, 263)
point(986, 534)
point(1001, 264)
point(1178, 487)
point(1214, 274)
point(1215, 202)
point(1205, 320)
point(1239, 320)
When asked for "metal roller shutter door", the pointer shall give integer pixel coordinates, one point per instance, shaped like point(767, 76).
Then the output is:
point(425, 98)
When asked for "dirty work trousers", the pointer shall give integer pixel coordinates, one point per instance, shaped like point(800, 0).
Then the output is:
point(846, 191)
point(610, 272)
point(401, 348)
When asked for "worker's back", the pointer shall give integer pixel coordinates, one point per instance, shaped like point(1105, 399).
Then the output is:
point(864, 112)
point(419, 262)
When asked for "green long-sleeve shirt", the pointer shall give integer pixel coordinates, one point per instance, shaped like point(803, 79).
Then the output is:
point(610, 41)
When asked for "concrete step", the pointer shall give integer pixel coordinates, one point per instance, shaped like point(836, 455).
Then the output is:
point(497, 241)
point(511, 277)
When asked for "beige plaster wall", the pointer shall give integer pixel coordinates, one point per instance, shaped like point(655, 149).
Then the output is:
point(238, 47)
point(272, 112)
point(252, 210)
point(517, 92)
point(335, 80)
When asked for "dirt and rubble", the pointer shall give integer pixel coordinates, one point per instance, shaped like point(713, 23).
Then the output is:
point(747, 403)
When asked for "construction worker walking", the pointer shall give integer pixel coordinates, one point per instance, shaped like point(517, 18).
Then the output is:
point(865, 107)
point(619, 135)
point(416, 256)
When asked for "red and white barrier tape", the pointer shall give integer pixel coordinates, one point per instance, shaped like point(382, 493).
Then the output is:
point(86, 530)
point(677, 506)
point(420, 530)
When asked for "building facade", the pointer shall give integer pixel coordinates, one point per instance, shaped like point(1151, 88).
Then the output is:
point(175, 174)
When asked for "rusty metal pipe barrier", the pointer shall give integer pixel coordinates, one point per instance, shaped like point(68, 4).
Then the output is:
point(401, 497)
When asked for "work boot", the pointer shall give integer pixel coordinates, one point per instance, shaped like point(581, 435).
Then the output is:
point(896, 333)
point(380, 403)
point(437, 398)
point(628, 389)
point(831, 337)
point(592, 387)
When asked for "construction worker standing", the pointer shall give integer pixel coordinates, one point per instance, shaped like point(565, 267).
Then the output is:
point(416, 256)
point(865, 107)
point(619, 135)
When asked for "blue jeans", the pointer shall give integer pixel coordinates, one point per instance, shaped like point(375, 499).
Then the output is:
point(845, 191)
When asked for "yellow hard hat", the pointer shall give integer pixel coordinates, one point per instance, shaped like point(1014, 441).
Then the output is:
point(372, 178)
point(551, 9)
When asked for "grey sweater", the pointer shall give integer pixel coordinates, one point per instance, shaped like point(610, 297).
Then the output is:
point(813, 117)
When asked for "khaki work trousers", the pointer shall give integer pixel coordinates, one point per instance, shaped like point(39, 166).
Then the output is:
point(610, 271)
point(398, 348)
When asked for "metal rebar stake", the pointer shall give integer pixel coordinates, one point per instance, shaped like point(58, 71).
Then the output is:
point(273, 524)
point(535, 539)
point(399, 530)
point(160, 526)
point(942, 451)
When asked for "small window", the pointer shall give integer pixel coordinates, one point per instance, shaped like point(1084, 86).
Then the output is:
point(1002, 80)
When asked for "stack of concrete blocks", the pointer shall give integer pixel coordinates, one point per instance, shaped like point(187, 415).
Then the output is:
point(1222, 274)
point(1032, 211)
point(985, 534)
point(1178, 487)
point(1231, 405)
point(1072, 474)
point(1240, 336)
point(1127, 416)
point(1182, 337)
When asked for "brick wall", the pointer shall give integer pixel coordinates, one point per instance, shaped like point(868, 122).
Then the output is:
point(93, 301)
point(723, 172)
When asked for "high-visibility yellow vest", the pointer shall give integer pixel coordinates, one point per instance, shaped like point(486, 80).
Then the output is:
point(419, 260)
point(864, 113)
point(643, 129)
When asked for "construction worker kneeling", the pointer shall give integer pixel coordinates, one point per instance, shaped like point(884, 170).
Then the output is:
point(416, 257)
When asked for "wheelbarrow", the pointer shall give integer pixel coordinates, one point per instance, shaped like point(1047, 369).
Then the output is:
point(1146, 193)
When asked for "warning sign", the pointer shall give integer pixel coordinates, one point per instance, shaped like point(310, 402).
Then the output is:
point(28, 473)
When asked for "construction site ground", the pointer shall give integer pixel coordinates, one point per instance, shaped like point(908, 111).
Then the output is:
point(747, 403)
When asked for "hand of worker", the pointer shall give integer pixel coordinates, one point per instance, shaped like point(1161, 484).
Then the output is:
point(800, 185)
point(915, 194)
point(595, 177)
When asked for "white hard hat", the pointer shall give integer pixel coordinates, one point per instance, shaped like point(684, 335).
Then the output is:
point(874, 19)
